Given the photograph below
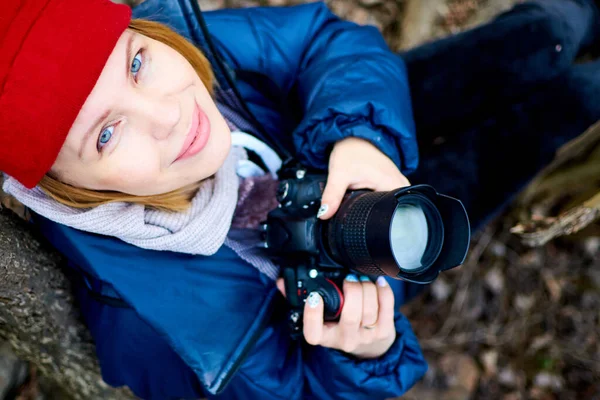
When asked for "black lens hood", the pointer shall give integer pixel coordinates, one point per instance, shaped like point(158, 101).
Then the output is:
point(456, 237)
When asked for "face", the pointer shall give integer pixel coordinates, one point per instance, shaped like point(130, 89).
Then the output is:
point(148, 127)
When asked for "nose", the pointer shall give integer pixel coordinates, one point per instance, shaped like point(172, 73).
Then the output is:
point(157, 115)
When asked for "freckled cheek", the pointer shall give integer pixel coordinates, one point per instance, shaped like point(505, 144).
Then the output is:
point(173, 77)
point(176, 75)
point(131, 176)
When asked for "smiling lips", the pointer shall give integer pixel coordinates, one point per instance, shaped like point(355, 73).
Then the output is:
point(198, 135)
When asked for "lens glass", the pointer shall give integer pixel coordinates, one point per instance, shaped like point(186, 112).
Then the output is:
point(409, 235)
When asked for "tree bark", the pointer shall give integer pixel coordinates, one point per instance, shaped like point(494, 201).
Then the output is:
point(38, 316)
point(564, 197)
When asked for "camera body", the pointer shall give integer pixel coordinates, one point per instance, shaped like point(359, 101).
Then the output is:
point(293, 229)
point(291, 234)
point(411, 233)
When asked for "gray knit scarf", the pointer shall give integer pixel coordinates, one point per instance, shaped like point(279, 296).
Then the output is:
point(201, 229)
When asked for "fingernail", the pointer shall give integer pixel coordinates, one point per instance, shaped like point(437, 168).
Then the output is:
point(322, 210)
point(381, 281)
point(364, 278)
point(313, 299)
point(351, 278)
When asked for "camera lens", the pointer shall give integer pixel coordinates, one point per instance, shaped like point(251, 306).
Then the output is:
point(398, 233)
point(408, 236)
point(416, 234)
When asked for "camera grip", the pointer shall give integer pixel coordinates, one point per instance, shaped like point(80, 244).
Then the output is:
point(299, 282)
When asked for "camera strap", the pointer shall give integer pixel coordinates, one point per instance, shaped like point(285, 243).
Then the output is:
point(290, 162)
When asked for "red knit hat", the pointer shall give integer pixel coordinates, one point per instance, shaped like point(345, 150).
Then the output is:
point(51, 55)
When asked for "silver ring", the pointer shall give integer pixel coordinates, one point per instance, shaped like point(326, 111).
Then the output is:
point(370, 326)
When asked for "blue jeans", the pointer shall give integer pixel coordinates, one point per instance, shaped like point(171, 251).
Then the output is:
point(493, 104)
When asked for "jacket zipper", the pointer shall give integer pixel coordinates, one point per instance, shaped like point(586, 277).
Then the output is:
point(244, 353)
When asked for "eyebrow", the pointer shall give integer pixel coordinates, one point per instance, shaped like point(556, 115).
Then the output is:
point(128, 55)
point(106, 113)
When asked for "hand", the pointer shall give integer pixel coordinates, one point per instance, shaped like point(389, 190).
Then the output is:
point(365, 305)
point(357, 164)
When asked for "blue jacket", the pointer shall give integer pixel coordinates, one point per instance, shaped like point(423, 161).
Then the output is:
point(186, 326)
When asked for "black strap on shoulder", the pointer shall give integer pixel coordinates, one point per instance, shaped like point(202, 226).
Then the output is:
point(289, 161)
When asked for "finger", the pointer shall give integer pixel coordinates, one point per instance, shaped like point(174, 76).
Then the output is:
point(334, 192)
point(353, 305)
point(402, 181)
point(313, 319)
point(389, 182)
point(385, 296)
point(281, 286)
point(370, 304)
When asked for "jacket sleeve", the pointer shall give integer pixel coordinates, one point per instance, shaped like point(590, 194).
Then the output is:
point(281, 368)
point(342, 76)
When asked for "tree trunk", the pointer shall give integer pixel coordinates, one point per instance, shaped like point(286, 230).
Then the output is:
point(38, 317)
point(565, 197)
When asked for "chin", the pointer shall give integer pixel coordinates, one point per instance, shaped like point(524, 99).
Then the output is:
point(218, 152)
point(223, 147)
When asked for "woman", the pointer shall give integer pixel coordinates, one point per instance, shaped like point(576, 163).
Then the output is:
point(108, 136)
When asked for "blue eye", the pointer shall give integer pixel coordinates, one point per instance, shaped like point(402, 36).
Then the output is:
point(105, 136)
point(136, 64)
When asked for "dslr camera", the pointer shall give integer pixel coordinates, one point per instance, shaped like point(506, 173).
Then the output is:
point(411, 233)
